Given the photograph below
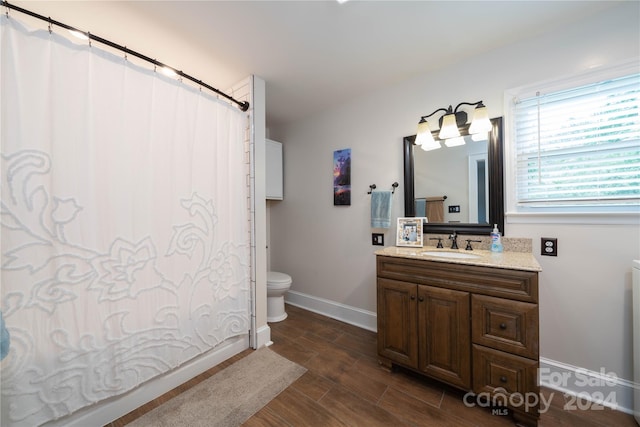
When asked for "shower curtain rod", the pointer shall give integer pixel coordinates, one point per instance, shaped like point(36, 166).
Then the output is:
point(243, 105)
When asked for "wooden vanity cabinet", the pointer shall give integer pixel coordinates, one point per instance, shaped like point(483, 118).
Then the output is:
point(441, 352)
point(473, 327)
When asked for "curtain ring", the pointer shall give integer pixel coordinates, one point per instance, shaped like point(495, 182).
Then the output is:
point(50, 25)
point(125, 53)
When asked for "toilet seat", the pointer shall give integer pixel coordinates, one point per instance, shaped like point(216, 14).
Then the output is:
point(277, 277)
point(278, 286)
point(277, 280)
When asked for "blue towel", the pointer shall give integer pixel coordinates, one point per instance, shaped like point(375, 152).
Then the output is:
point(4, 339)
point(381, 209)
point(421, 207)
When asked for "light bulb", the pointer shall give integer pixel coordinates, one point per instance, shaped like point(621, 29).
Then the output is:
point(423, 135)
point(449, 127)
point(433, 145)
point(454, 142)
point(480, 122)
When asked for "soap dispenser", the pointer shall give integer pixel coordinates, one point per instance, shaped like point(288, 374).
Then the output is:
point(496, 239)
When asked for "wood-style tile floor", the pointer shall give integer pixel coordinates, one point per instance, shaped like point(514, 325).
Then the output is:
point(345, 386)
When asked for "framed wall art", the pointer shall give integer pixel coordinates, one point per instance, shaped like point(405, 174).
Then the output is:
point(342, 177)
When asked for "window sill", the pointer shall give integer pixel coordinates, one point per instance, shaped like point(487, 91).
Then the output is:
point(604, 218)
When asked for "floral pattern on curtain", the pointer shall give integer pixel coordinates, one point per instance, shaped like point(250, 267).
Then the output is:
point(124, 224)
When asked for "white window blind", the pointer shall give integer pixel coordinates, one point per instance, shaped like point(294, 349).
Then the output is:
point(579, 147)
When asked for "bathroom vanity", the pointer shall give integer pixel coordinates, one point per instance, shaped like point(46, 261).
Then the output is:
point(469, 319)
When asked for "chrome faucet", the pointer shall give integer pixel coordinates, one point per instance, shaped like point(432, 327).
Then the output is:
point(454, 240)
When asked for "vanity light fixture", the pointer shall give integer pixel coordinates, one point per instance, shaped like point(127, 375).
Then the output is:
point(449, 126)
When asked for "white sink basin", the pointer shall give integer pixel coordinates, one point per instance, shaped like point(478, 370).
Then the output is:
point(443, 254)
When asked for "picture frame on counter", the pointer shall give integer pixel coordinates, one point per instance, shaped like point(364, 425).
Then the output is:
point(409, 231)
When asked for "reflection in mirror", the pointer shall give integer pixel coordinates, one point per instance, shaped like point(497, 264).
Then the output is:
point(466, 180)
point(458, 173)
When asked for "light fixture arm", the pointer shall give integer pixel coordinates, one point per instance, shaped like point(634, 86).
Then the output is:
point(461, 116)
point(446, 110)
point(478, 104)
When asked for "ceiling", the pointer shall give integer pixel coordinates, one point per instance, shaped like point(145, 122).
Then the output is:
point(316, 54)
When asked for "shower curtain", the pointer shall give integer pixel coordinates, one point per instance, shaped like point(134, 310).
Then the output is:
point(124, 224)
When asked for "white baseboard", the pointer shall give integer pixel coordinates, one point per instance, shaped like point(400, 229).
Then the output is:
point(263, 337)
point(354, 316)
point(109, 410)
point(588, 389)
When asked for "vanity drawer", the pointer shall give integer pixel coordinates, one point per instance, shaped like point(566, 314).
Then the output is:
point(505, 325)
point(496, 372)
point(497, 282)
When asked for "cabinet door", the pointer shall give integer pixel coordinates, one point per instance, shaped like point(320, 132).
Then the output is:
point(397, 317)
point(274, 184)
point(444, 335)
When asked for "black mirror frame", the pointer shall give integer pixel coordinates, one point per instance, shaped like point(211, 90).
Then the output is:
point(496, 185)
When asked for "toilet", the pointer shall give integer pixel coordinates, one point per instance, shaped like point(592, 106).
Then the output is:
point(277, 285)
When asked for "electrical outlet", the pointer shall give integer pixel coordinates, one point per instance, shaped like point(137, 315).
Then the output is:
point(454, 209)
point(377, 239)
point(549, 246)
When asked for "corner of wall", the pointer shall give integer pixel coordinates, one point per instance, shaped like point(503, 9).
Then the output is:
point(252, 89)
point(259, 130)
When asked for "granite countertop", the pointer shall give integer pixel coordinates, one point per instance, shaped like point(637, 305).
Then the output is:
point(509, 259)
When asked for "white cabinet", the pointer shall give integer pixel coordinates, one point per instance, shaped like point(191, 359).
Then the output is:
point(274, 190)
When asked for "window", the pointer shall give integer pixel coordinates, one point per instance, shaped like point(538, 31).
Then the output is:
point(577, 147)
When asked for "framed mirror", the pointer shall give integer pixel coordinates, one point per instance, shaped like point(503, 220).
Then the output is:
point(468, 182)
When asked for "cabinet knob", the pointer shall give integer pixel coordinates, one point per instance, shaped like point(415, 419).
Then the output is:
point(503, 379)
point(413, 297)
point(421, 299)
point(503, 326)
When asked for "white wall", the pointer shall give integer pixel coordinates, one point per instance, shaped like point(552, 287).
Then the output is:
point(584, 292)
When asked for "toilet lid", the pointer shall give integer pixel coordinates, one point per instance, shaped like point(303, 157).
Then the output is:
point(277, 278)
